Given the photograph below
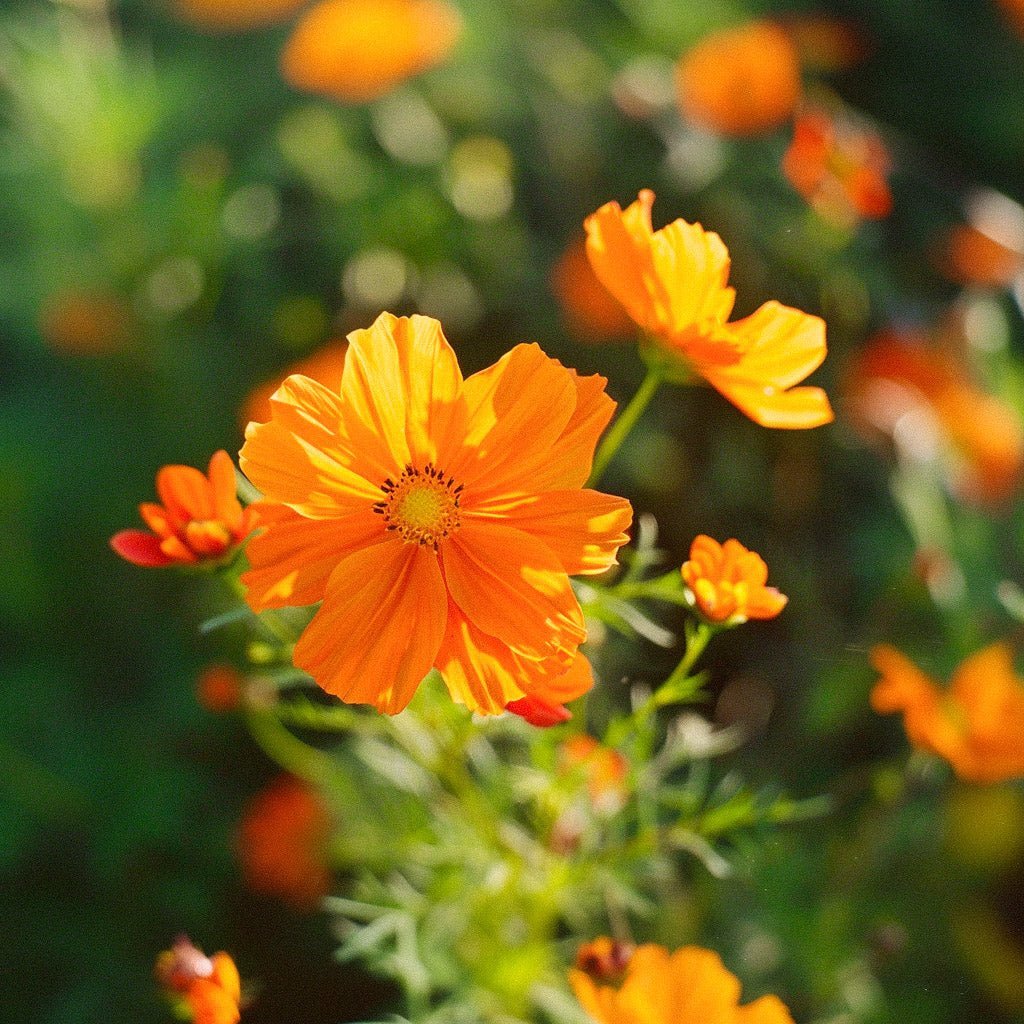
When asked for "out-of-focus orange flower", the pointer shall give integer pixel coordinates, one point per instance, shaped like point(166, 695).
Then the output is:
point(969, 256)
point(977, 724)
point(1013, 11)
point(84, 323)
point(740, 81)
point(208, 988)
point(200, 520)
point(604, 959)
point(603, 768)
point(325, 366)
point(235, 15)
point(672, 282)
point(726, 582)
point(924, 399)
point(358, 50)
point(589, 309)
point(219, 688)
point(840, 168)
point(691, 984)
point(438, 519)
point(283, 843)
point(825, 43)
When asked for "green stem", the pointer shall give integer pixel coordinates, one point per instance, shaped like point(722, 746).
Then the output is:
point(625, 422)
point(298, 758)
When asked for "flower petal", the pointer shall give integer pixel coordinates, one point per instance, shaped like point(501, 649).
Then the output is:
point(298, 458)
point(379, 629)
point(766, 1010)
point(227, 509)
point(583, 528)
point(139, 548)
point(400, 391)
point(515, 412)
point(513, 587)
point(292, 560)
point(185, 493)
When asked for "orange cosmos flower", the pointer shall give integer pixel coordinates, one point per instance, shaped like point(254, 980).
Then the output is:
point(691, 984)
point(839, 168)
point(726, 582)
point(358, 50)
point(283, 843)
point(200, 520)
point(672, 282)
point(545, 706)
point(235, 15)
point(589, 309)
point(437, 518)
point(324, 366)
point(741, 81)
point(977, 724)
point(924, 399)
point(208, 987)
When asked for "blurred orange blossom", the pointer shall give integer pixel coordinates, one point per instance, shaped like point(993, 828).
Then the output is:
point(726, 582)
point(977, 724)
point(358, 50)
point(85, 323)
point(603, 769)
point(689, 985)
point(283, 843)
point(589, 309)
point(924, 398)
point(840, 168)
point(209, 987)
point(437, 518)
point(200, 520)
point(219, 688)
point(672, 282)
point(235, 15)
point(740, 81)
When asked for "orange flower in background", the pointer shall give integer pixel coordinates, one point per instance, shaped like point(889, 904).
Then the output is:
point(200, 520)
point(589, 309)
point(85, 323)
point(437, 518)
point(208, 988)
point(689, 985)
point(740, 81)
point(839, 168)
point(325, 366)
point(1013, 11)
point(358, 50)
point(977, 724)
point(925, 401)
point(219, 688)
point(235, 15)
point(603, 768)
point(672, 282)
point(283, 843)
point(988, 250)
point(726, 582)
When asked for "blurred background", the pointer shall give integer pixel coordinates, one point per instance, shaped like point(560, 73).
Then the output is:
point(198, 196)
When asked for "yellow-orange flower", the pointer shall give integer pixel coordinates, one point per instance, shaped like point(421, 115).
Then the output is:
point(437, 518)
point(200, 520)
point(740, 81)
point(358, 50)
point(235, 15)
point(977, 724)
point(544, 705)
point(283, 843)
point(726, 582)
point(839, 168)
point(589, 309)
point(208, 987)
point(672, 282)
point(905, 388)
point(689, 985)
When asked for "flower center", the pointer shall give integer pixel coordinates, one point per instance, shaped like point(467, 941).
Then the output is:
point(422, 505)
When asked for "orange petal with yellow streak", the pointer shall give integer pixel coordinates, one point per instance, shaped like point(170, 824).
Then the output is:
point(379, 629)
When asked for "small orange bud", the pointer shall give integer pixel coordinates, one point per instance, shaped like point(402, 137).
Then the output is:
point(726, 582)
